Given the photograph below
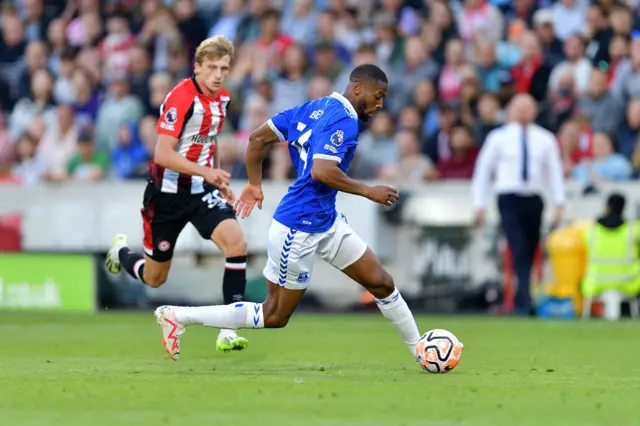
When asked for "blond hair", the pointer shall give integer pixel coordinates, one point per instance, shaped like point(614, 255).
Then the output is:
point(214, 48)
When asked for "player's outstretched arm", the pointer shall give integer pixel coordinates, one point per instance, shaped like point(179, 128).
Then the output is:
point(252, 194)
point(259, 141)
point(165, 155)
point(328, 173)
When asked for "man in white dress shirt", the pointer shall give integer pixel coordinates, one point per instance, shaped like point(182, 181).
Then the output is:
point(520, 156)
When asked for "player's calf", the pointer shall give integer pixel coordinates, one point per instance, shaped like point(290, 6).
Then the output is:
point(368, 272)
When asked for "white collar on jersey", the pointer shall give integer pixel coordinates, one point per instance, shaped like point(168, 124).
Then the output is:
point(347, 105)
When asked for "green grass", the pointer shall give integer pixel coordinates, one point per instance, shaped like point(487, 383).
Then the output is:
point(110, 369)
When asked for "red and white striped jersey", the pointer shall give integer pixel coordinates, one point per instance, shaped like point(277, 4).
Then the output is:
point(195, 119)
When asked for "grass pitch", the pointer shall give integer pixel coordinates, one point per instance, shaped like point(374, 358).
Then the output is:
point(110, 369)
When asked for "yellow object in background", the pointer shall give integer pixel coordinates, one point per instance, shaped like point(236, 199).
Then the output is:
point(567, 256)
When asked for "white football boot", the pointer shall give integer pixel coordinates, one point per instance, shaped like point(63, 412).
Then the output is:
point(172, 330)
point(113, 260)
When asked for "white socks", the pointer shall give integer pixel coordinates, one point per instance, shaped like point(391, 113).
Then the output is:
point(233, 316)
point(396, 310)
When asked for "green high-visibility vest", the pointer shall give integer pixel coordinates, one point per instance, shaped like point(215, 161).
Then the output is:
point(612, 259)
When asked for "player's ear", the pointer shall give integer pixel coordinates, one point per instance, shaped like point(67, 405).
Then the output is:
point(357, 88)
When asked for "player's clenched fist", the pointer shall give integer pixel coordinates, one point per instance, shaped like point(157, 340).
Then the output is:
point(383, 194)
point(217, 177)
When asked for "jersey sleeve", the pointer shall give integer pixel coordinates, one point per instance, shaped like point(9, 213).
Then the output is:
point(174, 113)
point(335, 140)
point(279, 123)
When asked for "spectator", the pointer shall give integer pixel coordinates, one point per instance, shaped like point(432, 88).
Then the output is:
point(269, 48)
point(618, 52)
point(230, 157)
point(439, 29)
point(325, 63)
point(630, 129)
point(424, 98)
point(58, 43)
point(487, 66)
point(489, 116)
point(508, 52)
point(227, 25)
point(28, 168)
point(6, 143)
point(599, 34)
point(300, 21)
point(160, 84)
point(575, 64)
point(606, 166)
point(464, 152)
point(545, 30)
point(191, 25)
point(88, 164)
point(600, 107)
point(40, 103)
point(319, 87)
point(531, 73)
point(480, 19)
point(139, 72)
point(438, 145)
point(625, 80)
point(35, 60)
point(376, 145)
point(35, 19)
point(569, 17)
point(455, 64)
point(87, 100)
point(417, 67)
point(119, 106)
point(12, 49)
point(289, 89)
point(389, 46)
point(59, 144)
point(413, 168)
point(63, 88)
point(130, 155)
point(575, 145)
point(560, 105)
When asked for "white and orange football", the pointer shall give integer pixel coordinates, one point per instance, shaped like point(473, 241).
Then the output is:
point(438, 351)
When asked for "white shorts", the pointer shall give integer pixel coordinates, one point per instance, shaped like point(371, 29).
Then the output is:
point(292, 253)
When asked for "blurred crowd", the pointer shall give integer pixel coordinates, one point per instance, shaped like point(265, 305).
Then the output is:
point(81, 81)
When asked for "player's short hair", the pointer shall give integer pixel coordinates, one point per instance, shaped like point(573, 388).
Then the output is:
point(215, 47)
point(368, 73)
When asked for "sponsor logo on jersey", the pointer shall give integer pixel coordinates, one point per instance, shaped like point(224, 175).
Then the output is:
point(166, 126)
point(202, 139)
point(330, 148)
point(316, 114)
point(337, 137)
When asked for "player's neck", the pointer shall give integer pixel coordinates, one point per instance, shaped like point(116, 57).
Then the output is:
point(203, 88)
point(349, 96)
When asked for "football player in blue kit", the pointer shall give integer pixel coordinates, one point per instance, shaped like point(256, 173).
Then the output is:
point(322, 136)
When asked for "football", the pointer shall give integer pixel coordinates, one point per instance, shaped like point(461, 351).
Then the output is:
point(438, 351)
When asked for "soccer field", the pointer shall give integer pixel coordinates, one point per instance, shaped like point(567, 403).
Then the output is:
point(110, 369)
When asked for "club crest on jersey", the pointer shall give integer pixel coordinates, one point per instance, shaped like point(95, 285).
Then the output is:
point(337, 137)
point(171, 116)
point(303, 278)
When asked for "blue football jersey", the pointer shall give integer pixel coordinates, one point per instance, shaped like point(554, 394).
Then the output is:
point(325, 128)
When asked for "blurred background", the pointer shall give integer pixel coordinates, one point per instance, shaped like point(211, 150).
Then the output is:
point(81, 83)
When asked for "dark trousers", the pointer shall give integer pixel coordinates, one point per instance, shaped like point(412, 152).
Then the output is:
point(521, 219)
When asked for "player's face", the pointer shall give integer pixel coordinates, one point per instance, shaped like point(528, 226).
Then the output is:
point(212, 72)
point(371, 99)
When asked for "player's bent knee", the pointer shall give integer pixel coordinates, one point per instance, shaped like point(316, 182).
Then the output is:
point(236, 248)
point(381, 284)
point(155, 280)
